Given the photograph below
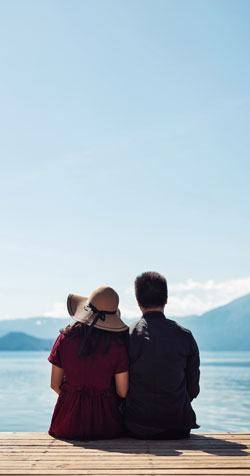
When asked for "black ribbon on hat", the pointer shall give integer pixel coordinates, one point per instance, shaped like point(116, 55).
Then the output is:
point(88, 331)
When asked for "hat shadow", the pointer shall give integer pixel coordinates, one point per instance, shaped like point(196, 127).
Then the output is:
point(206, 444)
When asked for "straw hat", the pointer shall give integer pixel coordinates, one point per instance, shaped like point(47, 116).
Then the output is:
point(100, 309)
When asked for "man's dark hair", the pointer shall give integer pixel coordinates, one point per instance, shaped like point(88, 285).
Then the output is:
point(151, 289)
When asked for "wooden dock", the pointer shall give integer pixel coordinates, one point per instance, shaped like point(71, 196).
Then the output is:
point(201, 454)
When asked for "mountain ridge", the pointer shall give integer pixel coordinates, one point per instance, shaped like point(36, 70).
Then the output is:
point(20, 341)
point(223, 328)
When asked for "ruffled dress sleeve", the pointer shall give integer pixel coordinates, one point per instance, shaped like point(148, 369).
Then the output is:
point(121, 362)
point(55, 356)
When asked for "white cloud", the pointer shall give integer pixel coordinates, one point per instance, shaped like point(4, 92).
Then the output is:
point(129, 291)
point(236, 286)
point(130, 313)
point(58, 310)
point(193, 297)
point(185, 298)
point(189, 285)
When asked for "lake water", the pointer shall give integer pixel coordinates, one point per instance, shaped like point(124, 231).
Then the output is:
point(27, 402)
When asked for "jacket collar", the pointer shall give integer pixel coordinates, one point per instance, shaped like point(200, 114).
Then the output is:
point(153, 314)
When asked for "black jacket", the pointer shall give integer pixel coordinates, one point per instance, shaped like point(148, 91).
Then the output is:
point(164, 376)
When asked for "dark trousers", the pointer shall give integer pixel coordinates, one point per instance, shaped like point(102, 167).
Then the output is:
point(165, 435)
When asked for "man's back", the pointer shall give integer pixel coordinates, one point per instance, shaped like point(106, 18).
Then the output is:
point(164, 376)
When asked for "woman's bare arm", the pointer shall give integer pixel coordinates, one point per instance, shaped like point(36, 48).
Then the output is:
point(121, 383)
point(56, 378)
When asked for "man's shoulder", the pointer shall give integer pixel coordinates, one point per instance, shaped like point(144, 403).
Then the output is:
point(177, 326)
point(168, 327)
point(137, 327)
point(141, 324)
point(184, 335)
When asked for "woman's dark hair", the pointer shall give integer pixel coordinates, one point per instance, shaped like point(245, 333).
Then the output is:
point(151, 290)
point(98, 340)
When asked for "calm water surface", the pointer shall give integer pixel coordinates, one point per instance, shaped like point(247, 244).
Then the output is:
point(27, 402)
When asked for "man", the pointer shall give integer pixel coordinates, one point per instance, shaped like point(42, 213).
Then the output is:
point(164, 368)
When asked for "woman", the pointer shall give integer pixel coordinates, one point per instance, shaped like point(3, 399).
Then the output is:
point(90, 369)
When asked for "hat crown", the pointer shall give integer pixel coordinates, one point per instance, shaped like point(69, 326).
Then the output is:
point(104, 298)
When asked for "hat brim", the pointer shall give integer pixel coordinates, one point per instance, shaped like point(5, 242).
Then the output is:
point(80, 311)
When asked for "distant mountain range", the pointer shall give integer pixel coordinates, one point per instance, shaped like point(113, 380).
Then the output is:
point(22, 341)
point(224, 328)
point(41, 327)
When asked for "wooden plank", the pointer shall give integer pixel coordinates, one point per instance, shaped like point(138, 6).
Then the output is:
point(196, 436)
point(192, 440)
point(44, 436)
point(47, 466)
point(132, 444)
point(44, 433)
point(167, 460)
point(48, 439)
point(125, 464)
point(107, 456)
point(72, 464)
point(132, 457)
point(167, 452)
point(159, 451)
point(186, 455)
point(124, 440)
point(131, 472)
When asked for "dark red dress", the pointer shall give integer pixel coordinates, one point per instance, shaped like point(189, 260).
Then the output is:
point(87, 407)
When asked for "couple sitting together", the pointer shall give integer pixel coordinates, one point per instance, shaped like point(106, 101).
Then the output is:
point(113, 380)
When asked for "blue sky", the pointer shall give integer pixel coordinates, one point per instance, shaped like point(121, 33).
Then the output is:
point(124, 148)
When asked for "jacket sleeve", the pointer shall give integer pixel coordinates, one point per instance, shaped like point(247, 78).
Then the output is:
point(193, 370)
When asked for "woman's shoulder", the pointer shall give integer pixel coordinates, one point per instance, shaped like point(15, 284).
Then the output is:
point(64, 340)
point(60, 338)
point(57, 345)
point(63, 347)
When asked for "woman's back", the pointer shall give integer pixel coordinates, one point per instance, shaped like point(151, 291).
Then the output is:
point(87, 407)
point(93, 371)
